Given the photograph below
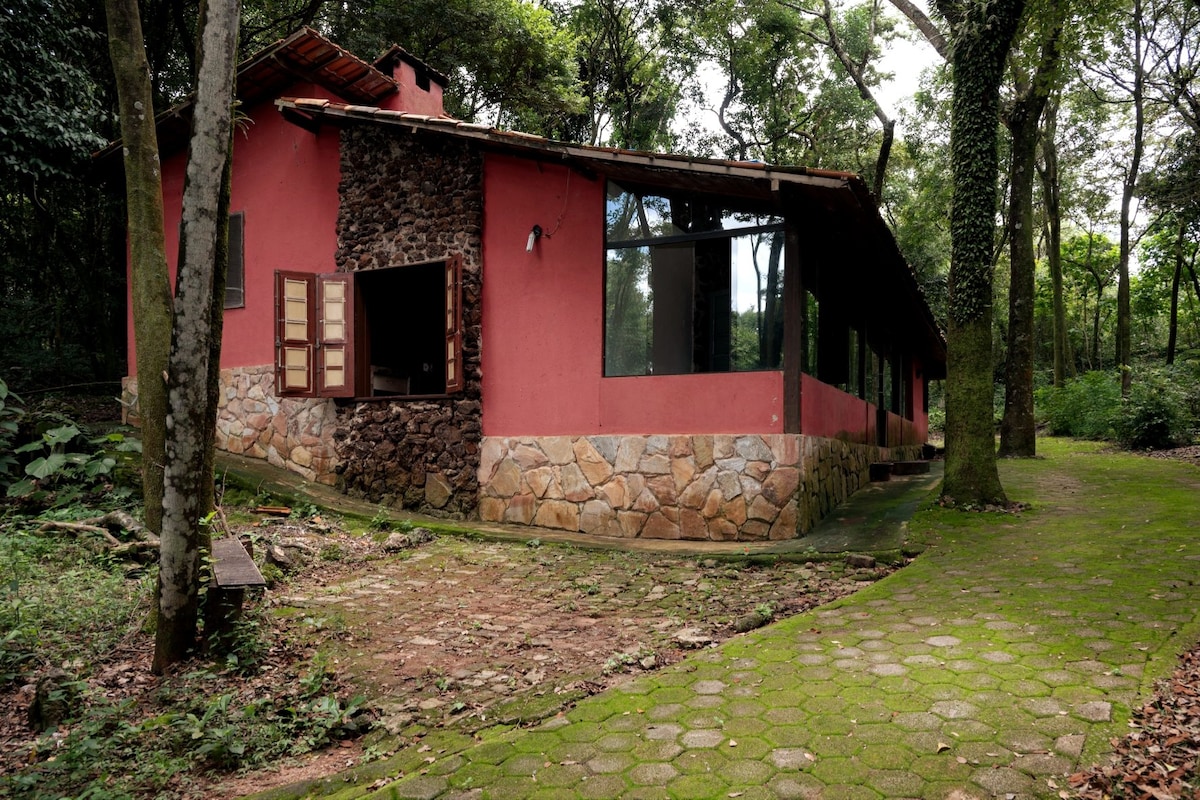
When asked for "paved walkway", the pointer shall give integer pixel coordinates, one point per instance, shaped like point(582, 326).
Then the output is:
point(993, 666)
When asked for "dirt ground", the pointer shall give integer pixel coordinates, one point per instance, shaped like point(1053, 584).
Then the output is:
point(465, 633)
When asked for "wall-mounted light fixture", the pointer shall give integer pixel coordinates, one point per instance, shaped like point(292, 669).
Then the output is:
point(534, 234)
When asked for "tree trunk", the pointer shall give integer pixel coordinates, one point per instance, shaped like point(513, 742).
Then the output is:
point(983, 33)
point(1124, 323)
point(1018, 431)
point(1053, 212)
point(1176, 279)
point(149, 281)
point(188, 436)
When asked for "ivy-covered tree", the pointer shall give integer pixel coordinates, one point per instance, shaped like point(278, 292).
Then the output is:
point(981, 34)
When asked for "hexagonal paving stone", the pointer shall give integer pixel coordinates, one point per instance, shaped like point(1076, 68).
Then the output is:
point(609, 763)
point(652, 774)
point(943, 641)
point(702, 738)
point(708, 687)
point(1097, 711)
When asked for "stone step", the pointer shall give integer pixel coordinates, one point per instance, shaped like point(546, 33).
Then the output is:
point(910, 468)
point(881, 471)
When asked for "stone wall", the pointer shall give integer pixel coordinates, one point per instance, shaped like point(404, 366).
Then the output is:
point(292, 433)
point(706, 487)
point(408, 199)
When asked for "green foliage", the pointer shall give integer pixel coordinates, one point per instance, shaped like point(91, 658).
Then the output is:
point(64, 462)
point(61, 604)
point(1159, 412)
point(511, 65)
point(1086, 407)
point(59, 601)
point(10, 419)
point(113, 750)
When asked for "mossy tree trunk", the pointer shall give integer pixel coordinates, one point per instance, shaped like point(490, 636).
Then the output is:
point(1018, 431)
point(981, 34)
point(149, 281)
point(189, 436)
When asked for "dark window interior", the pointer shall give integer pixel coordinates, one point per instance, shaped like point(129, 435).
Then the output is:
point(235, 276)
point(403, 324)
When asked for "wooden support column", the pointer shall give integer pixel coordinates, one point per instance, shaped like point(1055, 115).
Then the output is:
point(793, 328)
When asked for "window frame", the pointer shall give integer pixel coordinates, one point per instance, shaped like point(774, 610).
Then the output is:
point(235, 288)
point(726, 206)
point(330, 362)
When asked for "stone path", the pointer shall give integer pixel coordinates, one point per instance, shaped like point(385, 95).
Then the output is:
point(993, 666)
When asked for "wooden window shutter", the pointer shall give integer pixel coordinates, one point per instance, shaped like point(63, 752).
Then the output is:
point(455, 380)
point(295, 334)
point(335, 335)
point(235, 276)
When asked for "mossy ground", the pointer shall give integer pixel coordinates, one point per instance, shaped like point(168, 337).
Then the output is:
point(1001, 660)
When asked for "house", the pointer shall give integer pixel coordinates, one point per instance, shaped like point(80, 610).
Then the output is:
point(485, 324)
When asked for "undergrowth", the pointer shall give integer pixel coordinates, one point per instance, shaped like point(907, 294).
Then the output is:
point(67, 608)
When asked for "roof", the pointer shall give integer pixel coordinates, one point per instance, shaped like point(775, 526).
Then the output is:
point(398, 53)
point(302, 56)
point(846, 220)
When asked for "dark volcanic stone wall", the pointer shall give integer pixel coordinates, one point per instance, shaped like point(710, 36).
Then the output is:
point(407, 199)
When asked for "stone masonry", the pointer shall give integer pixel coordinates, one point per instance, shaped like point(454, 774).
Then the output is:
point(407, 199)
point(702, 487)
point(292, 433)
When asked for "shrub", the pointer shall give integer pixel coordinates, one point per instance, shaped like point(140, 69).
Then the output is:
point(1157, 415)
point(1086, 407)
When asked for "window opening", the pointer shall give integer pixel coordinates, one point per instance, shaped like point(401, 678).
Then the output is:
point(691, 285)
point(235, 275)
point(403, 323)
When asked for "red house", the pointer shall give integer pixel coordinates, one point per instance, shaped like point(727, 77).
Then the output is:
point(482, 323)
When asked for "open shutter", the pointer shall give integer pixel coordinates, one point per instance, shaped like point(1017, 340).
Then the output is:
point(295, 336)
point(335, 335)
point(455, 380)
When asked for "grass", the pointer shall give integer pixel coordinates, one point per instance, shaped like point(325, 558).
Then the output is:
point(64, 606)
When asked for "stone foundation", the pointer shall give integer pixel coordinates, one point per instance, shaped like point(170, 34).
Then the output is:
point(416, 454)
point(295, 434)
point(706, 487)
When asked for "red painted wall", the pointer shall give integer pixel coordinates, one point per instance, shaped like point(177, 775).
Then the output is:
point(411, 98)
point(543, 325)
point(828, 411)
point(285, 180)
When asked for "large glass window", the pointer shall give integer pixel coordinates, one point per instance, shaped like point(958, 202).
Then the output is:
point(691, 285)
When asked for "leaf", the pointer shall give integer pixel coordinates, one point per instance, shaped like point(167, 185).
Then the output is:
point(60, 435)
point(43, 467)
point(942, 747)
point(22, 488)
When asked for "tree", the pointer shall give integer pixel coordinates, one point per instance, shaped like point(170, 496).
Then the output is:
point(1048, 175)
point(1018, 431)
point(510, 64)
point(149, 281)
point(629, 75)
point(58, 233)
point(195, 336)
point(854, 49)
point(981, 33)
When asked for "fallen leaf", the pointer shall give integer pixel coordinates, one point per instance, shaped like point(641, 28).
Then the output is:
point(942, 747)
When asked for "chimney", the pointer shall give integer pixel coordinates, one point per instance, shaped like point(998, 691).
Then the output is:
point(420, 86)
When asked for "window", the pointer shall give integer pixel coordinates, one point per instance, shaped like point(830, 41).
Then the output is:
point(392, 332)
point(235, 275)
point(691, 285)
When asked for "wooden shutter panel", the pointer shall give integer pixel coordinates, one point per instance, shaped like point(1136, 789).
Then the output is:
point(455, 381)
point(295, 336)
point(335, 335)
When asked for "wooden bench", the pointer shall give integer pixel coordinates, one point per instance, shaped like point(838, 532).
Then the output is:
point(234, 571)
